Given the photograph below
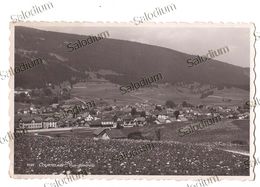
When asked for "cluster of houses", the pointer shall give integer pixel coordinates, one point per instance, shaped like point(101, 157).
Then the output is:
point(104, 116)
point(50, 117)
point(34, 122)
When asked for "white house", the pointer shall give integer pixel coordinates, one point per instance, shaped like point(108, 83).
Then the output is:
point(28, 122)
point(89, 118)
point(108, 123)
point(162, 116)
point(49, 123)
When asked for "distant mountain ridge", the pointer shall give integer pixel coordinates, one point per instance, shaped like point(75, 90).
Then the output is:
point(130, 60)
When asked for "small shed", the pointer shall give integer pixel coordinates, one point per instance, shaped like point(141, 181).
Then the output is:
point(116, 134)
point(100, 133)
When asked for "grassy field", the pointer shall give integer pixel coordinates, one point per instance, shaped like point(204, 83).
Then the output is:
point(109, 92)
point(201, 153)
point(80, 133)
point(96, 157)
point(226, 134)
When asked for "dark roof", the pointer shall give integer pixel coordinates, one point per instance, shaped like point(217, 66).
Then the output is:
point(116, 133)
point(127, 118)
point(163, 113)
point(28, 119)
point(99, 131)
point(140, 119)
point(107, 120)
point(156, 112)
point(49, 119)
point(96, 122)
point(120, 113)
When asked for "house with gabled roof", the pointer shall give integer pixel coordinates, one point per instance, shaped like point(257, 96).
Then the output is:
point(116, 134)
point(108, 122)
point(30, 122)
point(128, 121)
point(96, 123)
point(49, 122)
point(162, 115)
point(100, 133)
point(140, 121)
point(89, 118)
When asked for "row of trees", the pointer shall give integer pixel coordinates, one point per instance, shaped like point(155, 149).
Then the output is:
point(171, 104)
point(134, 112)
point(43, 96)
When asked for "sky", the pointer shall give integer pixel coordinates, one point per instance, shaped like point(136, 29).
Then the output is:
point(192, 40)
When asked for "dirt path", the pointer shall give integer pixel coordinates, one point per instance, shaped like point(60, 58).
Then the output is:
point(238, 152)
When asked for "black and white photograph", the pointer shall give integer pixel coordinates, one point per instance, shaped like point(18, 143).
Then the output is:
point(117, 99)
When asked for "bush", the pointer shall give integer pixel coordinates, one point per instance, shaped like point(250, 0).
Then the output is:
point(133, 112)
point(135, 136)
point(176, 114)
point(170, 104)
point(204, 95)
point(239, 142)
point(220, 87)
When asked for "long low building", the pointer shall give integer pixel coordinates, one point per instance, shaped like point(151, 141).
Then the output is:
point(36, 122)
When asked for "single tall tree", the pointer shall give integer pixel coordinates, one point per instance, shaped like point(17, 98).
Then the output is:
point(177, 113)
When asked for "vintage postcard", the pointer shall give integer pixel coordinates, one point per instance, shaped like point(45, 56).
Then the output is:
point(120, 100)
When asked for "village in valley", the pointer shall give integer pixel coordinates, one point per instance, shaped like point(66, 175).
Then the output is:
point(96, 109)
point(102, 117)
